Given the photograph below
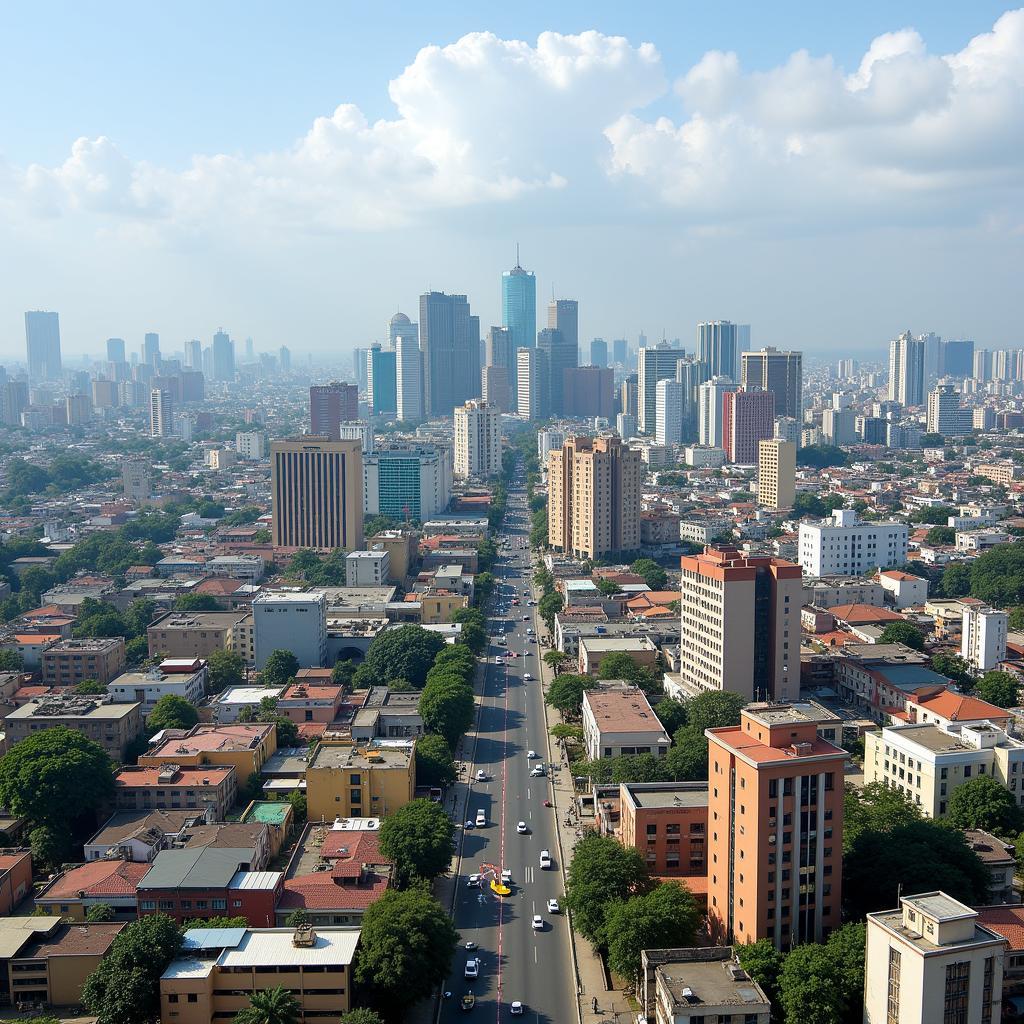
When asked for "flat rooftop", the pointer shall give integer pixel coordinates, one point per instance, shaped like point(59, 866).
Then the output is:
point(932, 738)
point(207, 738)
point(658, 795)
point(623, 710)
point(610, 644)
point(330, 755)
point(248, 694)
point(709, 983)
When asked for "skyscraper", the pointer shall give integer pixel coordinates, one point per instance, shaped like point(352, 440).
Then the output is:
point(400, 326)
point(161, 413)
point(495, 388)
point(330, 405)
point(531, 383)
point(776, 473)
point(42, 342)
point(655, 364)
point(619, 351)
point(564, 316)
point(958, 358)
point(223, 357)
point(284, 358)
point(409, 374)
point(151, 348)
point(716, 348)
point(598, 352)
point(477, 440)
point(115, 350)
point(450, 341)
point(906, 370)
point(668, 412)
point(560, 354)
point(945, 415)
point(194, 354)
point(781, 373)
point(688, 373)
point(519, 305)
point(748, 417)
point(588, 391)
point(629, 396)
point(932, 357)
point(382, 381)
point(316, 491)
point(250, 351)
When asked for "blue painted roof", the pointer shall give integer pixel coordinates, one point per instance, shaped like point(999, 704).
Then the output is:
point(910, 676)
point(213, 938)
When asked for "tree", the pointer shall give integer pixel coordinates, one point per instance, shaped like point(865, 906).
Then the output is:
point(997, 576)
point(952, 666)
point(434, 763)
point(11, 661)
point(296, 919)
point(136, 650)
point(56, 775)
point(619, 665)
point(474, 637)
point(902, 633)
point(566, 693)
point(280, 666)
point(271, 1006)
point(239, 921)
point(687, 759)
point(715, 709)
point(999, 688)
point(602, 872)
point(847, 946)
point(671, 713)
point(955, 581)
point(875, 808)
point(549, 606)
point(821, 456)
point(299, 805)
point(1016, 618)
point(125, 987)
point(343, 671)
point(985, 804)
point(49, 845)
point(606, 587)
point(807, 987)
point(763, 962)
point(172, 712)
point(420, 838)
point(407, 652)
point(90, 688)
point(361, 1016)
point(196, 603)
point(935, 515)
point(940, 535)
point(663, 918)
point(555, 659)
point(447, 707)
point(405, 949)
point(562, 731)
point(98, 913)
point(226, 669)
point(654, 576)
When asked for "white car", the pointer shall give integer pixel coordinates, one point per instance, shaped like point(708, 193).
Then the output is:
point(473, 880)
point(473, 968)
point(537, 772)
point(516, 1008)
point(553, 907)
point(481, 776)
point(531, 754)
point(527, 676)
point(506, 876)
point(521, 828)
point(545, 859)
point(481, 819)
point(538, 923)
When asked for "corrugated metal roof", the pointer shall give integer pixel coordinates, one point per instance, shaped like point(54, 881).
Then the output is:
point(255, 880)
point(273, 947)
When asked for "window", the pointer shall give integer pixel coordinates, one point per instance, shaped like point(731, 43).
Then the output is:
point(173, 997)
point(193, 997)
point(958, 980)
point(986, 991)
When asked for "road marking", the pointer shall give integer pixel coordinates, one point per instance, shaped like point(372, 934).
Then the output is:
point(534, 954)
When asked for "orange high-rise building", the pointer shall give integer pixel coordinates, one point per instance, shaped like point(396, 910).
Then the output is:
point(775, 807)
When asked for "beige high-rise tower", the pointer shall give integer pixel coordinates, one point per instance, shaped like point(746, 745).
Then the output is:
point(477, 439)
point(776, 473)
point(594, 497)
point(317, 491)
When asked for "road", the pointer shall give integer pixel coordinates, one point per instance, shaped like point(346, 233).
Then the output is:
point(516, 962)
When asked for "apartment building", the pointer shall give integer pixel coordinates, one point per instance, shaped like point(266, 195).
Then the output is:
point(359, 781)
point(776, 474)
point(668, 823)
point(172, 787)
point(748, 417)
point(928, 764)
point(983, 637)
point(740, 624)
point(291, 621)
point(477, 439)
point(309, 702)
point(69, 662)
point(147, 687)
point(878, 679)
point(776, 821)
point(843, 545)
point(246, 747)
point(112, 726)
point(619, 720)
point(73, 893)
point(367, 568)
point(195, 634)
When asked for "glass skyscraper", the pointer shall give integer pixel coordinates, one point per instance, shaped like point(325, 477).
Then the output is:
point(519, 306)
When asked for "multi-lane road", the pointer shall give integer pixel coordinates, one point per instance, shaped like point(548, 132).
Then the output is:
point(516, 962)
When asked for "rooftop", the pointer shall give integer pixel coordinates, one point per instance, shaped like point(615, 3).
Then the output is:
point(622, 710)
point(72, 706)
point(268, 812)
point(610, 644)
point(125, 824)
point(248, 694)
point(132, 776)
point(710, 983)
point(330, 755)
point(97, 878)
point(197, 620)
point(958, 707)
point(72, 940)
point(206, 738)
point(202, 868)
point(668, 794)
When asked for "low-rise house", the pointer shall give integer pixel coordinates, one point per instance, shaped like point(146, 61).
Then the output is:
point(112, 726)
point(229, 705)
point(15, 879)
point(387, 715)
point(278, 817)
point(147, 687)
point(196, 634)
point(308, 702)
point(73, 892)
point(593, 650)
point(1008, 921)
point(1000, 860)
point(177, 787)
point(878, 678)
point(949, 710)
point(244, 745)
point(619, 720)
point(140, 835)
point(285, 771)
point(905, 589)
point(69, 662)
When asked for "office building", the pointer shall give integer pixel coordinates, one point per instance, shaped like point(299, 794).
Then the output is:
point(717, 345)
point(625, 425)
point(382, 382)
point(547, 441)
point(13, 402)
point(531, 383)
point(194, 354)
point(564, 317)
point(495, 388)
point(498, 349)
point(958, 359)
point(137, 480)
point(317, 493)
point(367, 568)
point(251, 445)
point(839, 427)
point(357, 430)
point(787, 428)
point(931, 960)
point(112, 726)
point(560, 356)
point(296, 622)
point(359, 367)
point(409, 375)
point(982, 366)
point(983, 637)
point(709, 410)
point(776, 819)
point(620, 348)
point(223, 357)
point(151, 349)
point(842, 545)
point(42, 343)
point(343, 780)
point(477, 440)
point(400, 326)
point(689, 375)
point(654, 364)
point(598, 352)
point(776, 474)
point(945, 415)
point(588, 392)
point(450, 341)
point(77, 410)
point(330, 405)
point(668, 412)
point(906, 370)
point(161, 413)
point(932, 357)
point(781, 373)
point(115, 350)
point(594, 497)
point(619, 721)
point(740, 620)
point(519, 306)
point(411, 482)
point(629, 396)
point(748, 417)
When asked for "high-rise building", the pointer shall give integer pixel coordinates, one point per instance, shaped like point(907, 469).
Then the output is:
point(407, 481)
point(776, 474)
point(958, 358)
point(284, 359)
point(839, 427)
point(409, 374)
point(846, 369)
point(161, 413)
point(629, 396)
point(42, 342)
point(193, 385)
point(115, 350)
point(594, 497)
point(776, 803)
point(104, 393)
point(655, 364)
point(330, 405)
point(531, 383)
point(620, 349)
point(748, 417)
point(382, 381)
point(316, 490)
point(668, 412)
point(77, 410)
point(450, 341)
point(781, 373)
point(495, 388)
point(588, 392)
point(251, 445)
point(13, 402)
point(151, 348)
point(400, 326)
point(932, 357)
point(193, 354)
point(359, 366)
point(137, 479)
point(906, 370)
point(689, 374)
point(598, 352)
point(223, 357)
point(625, 425)
point(740, 621)
point(477, 439)
point(564, 316)
point(498, 350)
point(982, 368)
point(787, 428)
point(717, 345)
point(519, 306)
point(945, 415)
point(560, 354)
point(983, 637)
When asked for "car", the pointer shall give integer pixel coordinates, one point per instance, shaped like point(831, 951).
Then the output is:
point(521, 828)
point(481, 819)
point(531, 754)
point(545, 859)
point(468, 823)
point(526, 618)
point(472, 945)
point(473, 967)
point(527, 676)
point(529, 631)
point(506, 876)
point(538, 923)
point(537, 772)
point(481, 775)
point(473, 879)
point(516, 1008)
point(553, 907)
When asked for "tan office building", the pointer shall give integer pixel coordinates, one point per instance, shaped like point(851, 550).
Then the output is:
point(198, 634)
point(112, 726)
point(69, 662)
point(359, 780)
point(317, 493)
point(776, 473)
point(594, 497)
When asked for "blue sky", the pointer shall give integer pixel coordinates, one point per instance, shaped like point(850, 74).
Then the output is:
point(829, 211)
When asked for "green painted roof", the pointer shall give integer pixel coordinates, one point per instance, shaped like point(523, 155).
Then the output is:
point(269, 812)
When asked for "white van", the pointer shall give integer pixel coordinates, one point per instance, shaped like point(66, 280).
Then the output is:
point(481, 819)
point(545, 859)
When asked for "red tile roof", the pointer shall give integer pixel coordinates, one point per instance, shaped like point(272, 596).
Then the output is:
point(99, 878)
point(1007, 921)
point(958, 707)
point(861, 614)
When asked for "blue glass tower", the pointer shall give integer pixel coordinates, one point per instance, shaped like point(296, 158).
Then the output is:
point(519, 305)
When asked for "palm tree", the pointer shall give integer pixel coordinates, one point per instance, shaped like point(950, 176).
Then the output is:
point(272, 1006)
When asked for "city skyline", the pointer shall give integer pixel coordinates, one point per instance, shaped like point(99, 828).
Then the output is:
point(180, 233)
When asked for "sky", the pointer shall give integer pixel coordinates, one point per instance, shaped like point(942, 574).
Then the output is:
point(830, 174)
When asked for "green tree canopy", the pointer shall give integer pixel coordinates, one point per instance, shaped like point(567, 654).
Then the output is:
point(940, 535)
point(89, 688)
point(671, 713)
point(226, 669)
point(763, 962)
point(447, 708)
point(549, 606)
point(687, 759)
point(566, 693)
point(361, 1016)
point(50, 846)
point(714, 709)
point(936, 515)
point(875, 808)
point(11, 661)
point(406, 652)
point(952, 666)
point(997, 576)
point(654, 576)
point(999, 688)
point(434, 763)
point(280, 666)
point(807, 987)
point(902, 633)
point(271, 1006)
point(663, 918)
point(420, 838)
point(986, 804)
point(172, 712)
point(196, 603)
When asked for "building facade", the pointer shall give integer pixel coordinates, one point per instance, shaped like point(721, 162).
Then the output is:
point(450, 342)
point(477, 440)
point(411, 482)
point(331, 405)
point(781, 373)
point(776, 474)
point(296, 622)
point(654, 364)
point(748, 417)
point(906, 370)
point(844, 546)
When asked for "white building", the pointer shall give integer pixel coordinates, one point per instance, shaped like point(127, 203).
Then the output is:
point(529, 383)
point(619, 721)
point(229, 705)
point(653, 365)
point(251, 445)
point(367, 568)
point(291, 621)
point(406, 480)
point(146, 688)
point(929, 961)
point(547, 441)
point(357, 430)
point(625, 425)
point(242, 567)
point(709, 410)
point(907, 589)
point(702, 456)
point(668, 412)
point(983, 637)
point(409, 374)
point(787, 428)
point(844, 546)
point(477, 439)
point(219, 459)
point(906, 370)
point(945, 415)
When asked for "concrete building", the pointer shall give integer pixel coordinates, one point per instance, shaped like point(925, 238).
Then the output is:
point(496, 388)
point(594, 497)
point(161, 413)
point(112, 726)
point(477, 440)
point(317, 494)
point(710, 396)
point(945, 415)
point(668, 823)
point(251, 445)
point(211, 789)
point(907, 590)
point(367, 568)
point(409, 373)
point(983, 637)
point(776, 474)
point(843, 545)
point(450, 342)
point(654, 364)
point(717, 344)
point(137, 480)
point(588, 392)
point(776, 817)
point(519, 305)
point(296, 622)
point(620, 721)
point(781, 373)
point(69, 662)
point(381, 381)
point(244, 746)
point(42, 345)
point(148, 686)
point(195, 634)
point(668, 404)
point(740, 625)
point(330, 405)
point(559, 357)
point(930, 960)
point(353, 781)
point(407, 481)
point(906, 370)
point(532, 386)
point(748, 417)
